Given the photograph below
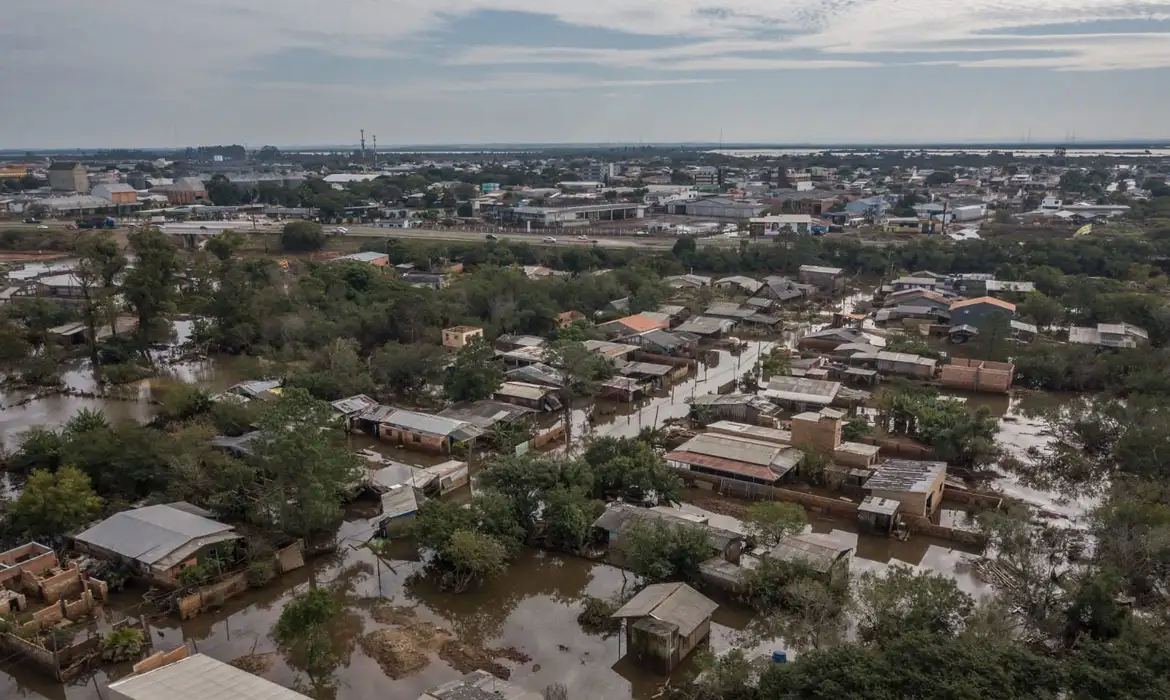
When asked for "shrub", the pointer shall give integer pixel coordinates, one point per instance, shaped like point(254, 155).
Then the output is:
point(125, 644)
point(193, 575)
point(302, 236)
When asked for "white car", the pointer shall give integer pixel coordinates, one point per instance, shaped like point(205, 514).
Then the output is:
point(582, 238)
point(341, 230)
point(42, 227)
point(549, 239)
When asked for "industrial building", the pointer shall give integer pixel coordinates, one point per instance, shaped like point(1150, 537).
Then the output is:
point(573, 216)
point(68, 177)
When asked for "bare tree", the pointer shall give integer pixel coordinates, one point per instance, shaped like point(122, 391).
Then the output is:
point(556, 691)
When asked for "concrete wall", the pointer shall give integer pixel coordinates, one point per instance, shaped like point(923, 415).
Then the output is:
point(823, 433)
point(424, 443)
point(160, 659)
point(213, 595)
point(921, 525)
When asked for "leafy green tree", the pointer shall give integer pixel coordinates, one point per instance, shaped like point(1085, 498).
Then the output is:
point(528, 480)
point(495, 516)
point(659, 551)
point(52, 505)
point(40, 448)
point(302, 236)
point(583, 373)
point(224, 244)
point(855, 429)
point(771, 521)
point(150, 286)
point(475, 375)
point(305, 465)
point(99, 264)
point(568, 517)
point(631, 470)
point(905, 601)
point(1042, 309)
point(302, 632)
point(473, 557)
point(405, 370)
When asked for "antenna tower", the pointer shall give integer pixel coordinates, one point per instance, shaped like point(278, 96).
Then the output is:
point(363, 146)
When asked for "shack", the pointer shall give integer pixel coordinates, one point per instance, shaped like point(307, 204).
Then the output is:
point(801, 393)
point(878, 515)
point(665, 622)
point(536, 397)
point(742, 408)
point(619, 518)
point(917, 485)
point(831, 564)
point(156, 541)
point(421, 432)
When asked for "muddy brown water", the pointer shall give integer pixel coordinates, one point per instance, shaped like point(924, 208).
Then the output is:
point(534, 606)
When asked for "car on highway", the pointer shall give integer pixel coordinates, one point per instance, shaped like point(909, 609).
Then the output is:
point(582, 238)
point(641, 233)
point(492, 237)
point(42, 227)
point(341, 230)
point(549, 239)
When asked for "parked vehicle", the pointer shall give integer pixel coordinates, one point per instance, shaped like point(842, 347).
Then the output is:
point(96, 222)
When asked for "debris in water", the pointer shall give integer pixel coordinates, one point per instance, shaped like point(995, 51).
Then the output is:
point(401, 651)
point(466, 658)
point(255, 663)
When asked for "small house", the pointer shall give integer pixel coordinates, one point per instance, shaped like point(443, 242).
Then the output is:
point(878, 515)
point(156, 541)
point(179, 675)
point(664, 623)
point(487, 414)
point(917, 485)
point(618, 519)
point(459, 336)
point(743, 284)
point(830, 564)
point(830, 280)
point(979, 312)
point(422, 432)
point(707, 326)
point(536, 397)
point(638, 323)
point(1109, 335)
point(720, 459)
point(687, 281)
point(478, 685)
point(742, 408)
point(672, 343)
point(782, 289)
point(801, 393)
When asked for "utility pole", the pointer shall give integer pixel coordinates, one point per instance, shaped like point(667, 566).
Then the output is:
point(363, 147)
point(375, 152)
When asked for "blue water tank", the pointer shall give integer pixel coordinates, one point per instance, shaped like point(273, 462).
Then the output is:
point(779, 657)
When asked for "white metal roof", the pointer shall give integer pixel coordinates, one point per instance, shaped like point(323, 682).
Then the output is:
point(199, 677)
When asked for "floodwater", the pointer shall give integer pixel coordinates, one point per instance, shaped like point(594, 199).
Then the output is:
point(534, 606)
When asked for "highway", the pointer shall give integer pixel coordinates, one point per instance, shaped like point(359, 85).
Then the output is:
point(536, 238)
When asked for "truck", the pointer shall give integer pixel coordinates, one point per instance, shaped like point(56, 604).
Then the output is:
point(96, 222)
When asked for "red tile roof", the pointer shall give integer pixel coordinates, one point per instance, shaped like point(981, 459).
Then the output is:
point(984, 300)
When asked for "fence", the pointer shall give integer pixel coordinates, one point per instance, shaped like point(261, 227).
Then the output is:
point(211, 596)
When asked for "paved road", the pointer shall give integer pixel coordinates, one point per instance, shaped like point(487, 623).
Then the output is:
point(649, 243)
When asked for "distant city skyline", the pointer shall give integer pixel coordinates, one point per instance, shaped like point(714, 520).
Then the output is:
point(131, 73)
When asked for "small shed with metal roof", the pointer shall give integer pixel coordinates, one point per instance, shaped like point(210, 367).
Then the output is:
point(665, 622)
point(917, 485)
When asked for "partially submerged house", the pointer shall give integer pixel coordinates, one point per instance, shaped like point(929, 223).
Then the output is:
point(707, 326)
point(665, 622)
point(826, 279)
point(156, 541)
point(619, 519)
point(781, 289)
point(535, 397)
point(672, 343)
point(1109, 335)
point(828, 339)
point(916, 485)
point(742, 408)
point(831, 564)
point(743, 284)
point(421, 432)
point(487, 414)
point(977, 375)
point(801, 393)
point(638, 323)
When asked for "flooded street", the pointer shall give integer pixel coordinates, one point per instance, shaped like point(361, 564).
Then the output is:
point(532, 608)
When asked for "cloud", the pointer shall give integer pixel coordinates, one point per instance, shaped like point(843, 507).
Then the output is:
point(496, 83)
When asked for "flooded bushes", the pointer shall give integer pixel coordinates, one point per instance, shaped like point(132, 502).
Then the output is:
point(595, 616)
point(124, 644)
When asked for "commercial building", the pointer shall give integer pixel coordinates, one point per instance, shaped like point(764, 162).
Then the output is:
point(68, 177)
point(776, 224)
point(665, 622)
point(187, 190)
point(575, 215)
point(116, 193)
point(718, 208)
point(715, 458)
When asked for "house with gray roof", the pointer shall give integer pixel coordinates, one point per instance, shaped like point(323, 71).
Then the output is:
point(156, 541)
point(665, 622)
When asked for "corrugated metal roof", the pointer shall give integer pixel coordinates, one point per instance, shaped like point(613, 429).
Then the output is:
point(733, 447)
point(521, 390)
point(429, 424)
point(674, 603)
point(150, 534)
point(645, 368)
point(803, 390)
point(906, 475)
point(706, 325)
point(200, 677)
point(354, 404)
point(818, 557)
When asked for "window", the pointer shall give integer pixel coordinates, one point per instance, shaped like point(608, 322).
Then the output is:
point(416, 437)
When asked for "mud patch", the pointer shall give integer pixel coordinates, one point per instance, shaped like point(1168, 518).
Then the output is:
point(255, 663)
point(399, 615)
point(466, 658)
point(402, 651)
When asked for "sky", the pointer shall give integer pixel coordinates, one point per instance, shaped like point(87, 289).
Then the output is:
point(144, 73)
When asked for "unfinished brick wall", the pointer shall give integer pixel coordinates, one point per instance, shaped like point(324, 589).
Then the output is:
point(66, 584)
point(160, 659)
point(977, 375)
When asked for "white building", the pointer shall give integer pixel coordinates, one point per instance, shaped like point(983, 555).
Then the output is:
point(774, 224)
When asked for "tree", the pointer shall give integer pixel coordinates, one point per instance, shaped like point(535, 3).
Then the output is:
point(302, 632)
point(658, 551)
point(568, 519)
point(630, 469)
point(855, 429)
point(475, 375)
point(224, 244)
point(53, 505)
point(684, 246)
point(302, 236)
point(473, 557)
point(771, 521)
point(528, 480)
point(150, 286)
point(306, 468)
point(583, 372)
point(939, 177)
point(222, 192)
point(905, 601)
point(99, 263)
point(405, 370)
point(1042, 309)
